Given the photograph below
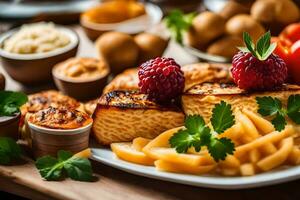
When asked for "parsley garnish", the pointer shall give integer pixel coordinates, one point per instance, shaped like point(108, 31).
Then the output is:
point(263, 48)
point(197, 134)
point(269, 106)
point(178, 23)
point(9, 150)
point(53, 169)
point(10, 102)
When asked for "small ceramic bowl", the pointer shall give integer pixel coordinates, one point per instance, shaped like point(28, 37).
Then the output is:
point(31, 69)
point(9, 126)
point(132, 26)
point(46, 141)
point(81, 88)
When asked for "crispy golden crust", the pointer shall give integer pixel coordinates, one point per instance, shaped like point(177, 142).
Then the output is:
point(128, 80)
point(42, 100)
point(123, 116)
point(205, 72)
point(194, 74)
point(60, 118)
point(201, 98)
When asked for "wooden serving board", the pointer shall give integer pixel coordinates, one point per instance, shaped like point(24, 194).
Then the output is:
point(24, 180)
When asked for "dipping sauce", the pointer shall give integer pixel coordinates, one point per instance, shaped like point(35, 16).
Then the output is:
point(82, 68)
point(36, 38)
point(60, 118)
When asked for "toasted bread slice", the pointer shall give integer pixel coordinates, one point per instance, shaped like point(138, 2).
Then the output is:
point(193, 73)
point(121, 116)
point(201, 98)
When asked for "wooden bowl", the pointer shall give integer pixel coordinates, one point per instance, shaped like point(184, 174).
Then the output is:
point(32, 69)
point(46, 141)
point(9, 126)
point(132, 26)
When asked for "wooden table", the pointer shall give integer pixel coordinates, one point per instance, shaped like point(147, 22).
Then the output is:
point(24, 180)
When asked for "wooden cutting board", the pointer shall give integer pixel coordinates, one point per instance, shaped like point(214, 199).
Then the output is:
point(112, 184)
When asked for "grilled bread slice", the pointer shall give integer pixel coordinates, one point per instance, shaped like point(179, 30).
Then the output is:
point(201, 98)
point(193, 73)
point(124, 115)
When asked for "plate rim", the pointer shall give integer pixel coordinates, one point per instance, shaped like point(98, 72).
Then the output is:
point(224, 183)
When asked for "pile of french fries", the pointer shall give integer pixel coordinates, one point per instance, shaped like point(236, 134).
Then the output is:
point(258, 148)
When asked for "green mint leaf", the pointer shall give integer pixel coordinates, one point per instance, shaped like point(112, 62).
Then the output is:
point(49, 167)
point(79, 169)
point(279, 122)
point(52, 169)
point(263, 43)
point(10, 102)
point(249, 43)
point(263, 48)
point(268, 105)
point(269, 51)
point(222, 117)
point(9, 150)
point(220, 147)
point(178, 23)
point(194, 123)
point(293, 108)
point(183, 140)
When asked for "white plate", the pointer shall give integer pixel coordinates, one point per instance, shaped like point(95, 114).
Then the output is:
point(107, 157)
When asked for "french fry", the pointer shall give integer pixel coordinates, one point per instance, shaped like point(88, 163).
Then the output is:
point(269, 138)
point(230, 162)
point(294, 157)
point(247, 169)
point(170, 155)
point(160, 141)
point(279, 157)
point(263, 125)
point(162, 165)
point(139, 143)
point(250, 130)
point(235, 132)
point(254, 155)
point(126, 152)
point(268, 149)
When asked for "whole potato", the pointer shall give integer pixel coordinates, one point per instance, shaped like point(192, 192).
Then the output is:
point(275, 11)
point(287, 12)
point(2, 82)
point(244, 23)
point(150, 46)
point(264, 11)
point(225, 46)
point(118, 49)
point(232, 8)
point(206, 27)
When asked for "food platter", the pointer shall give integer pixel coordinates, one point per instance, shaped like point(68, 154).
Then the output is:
point(107, 157)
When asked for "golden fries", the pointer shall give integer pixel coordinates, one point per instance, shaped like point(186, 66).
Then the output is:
point(258, 148)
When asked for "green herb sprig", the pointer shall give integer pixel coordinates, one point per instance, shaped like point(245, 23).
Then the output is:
point(9, 151)
point(53, 169)
point(263, 48)
point(178, 23)
point(10, 102)
point(197, 134)
point(269, 106)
